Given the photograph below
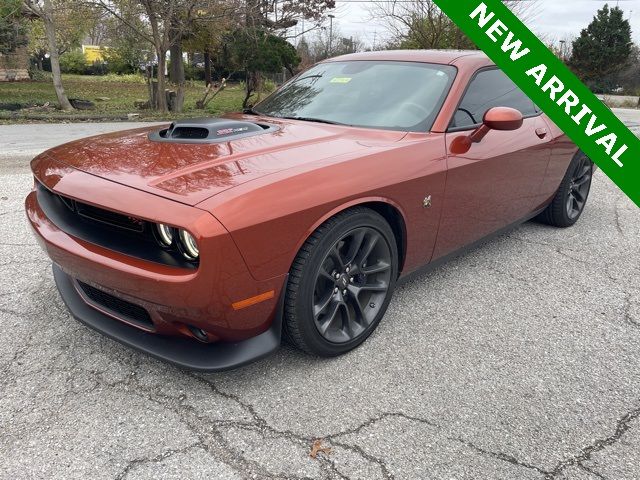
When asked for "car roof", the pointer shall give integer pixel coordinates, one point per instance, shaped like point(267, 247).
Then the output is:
point(445, 57)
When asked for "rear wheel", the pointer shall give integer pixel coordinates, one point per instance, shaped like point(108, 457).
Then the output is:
point(570, 199)
point(341, 283)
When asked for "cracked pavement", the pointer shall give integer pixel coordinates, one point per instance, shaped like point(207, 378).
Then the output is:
point(518, 360)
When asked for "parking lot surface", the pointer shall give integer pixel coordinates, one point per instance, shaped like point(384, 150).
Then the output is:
point(518, 360)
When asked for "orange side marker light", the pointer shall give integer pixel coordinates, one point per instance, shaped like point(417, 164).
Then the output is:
point(247, 302)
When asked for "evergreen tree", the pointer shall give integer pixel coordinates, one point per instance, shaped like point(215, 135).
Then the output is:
point(12, 26)
point(603, 49)
point(256, 51)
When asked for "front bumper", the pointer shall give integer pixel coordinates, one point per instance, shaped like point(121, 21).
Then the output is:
point(169, 305)
point(183, 352)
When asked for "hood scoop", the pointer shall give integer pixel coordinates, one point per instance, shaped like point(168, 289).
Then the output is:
point(209, 130)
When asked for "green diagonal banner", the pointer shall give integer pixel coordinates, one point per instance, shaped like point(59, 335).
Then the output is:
point(553, 87)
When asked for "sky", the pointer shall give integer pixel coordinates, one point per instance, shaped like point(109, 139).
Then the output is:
point(555, 19)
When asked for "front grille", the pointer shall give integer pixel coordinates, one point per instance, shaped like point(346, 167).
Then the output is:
point(101, 215)
point(115, 231)
point(110, 218)
point(120, 308)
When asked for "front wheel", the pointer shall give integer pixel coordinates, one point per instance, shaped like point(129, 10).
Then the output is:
point(341, 283)
point(570, 199)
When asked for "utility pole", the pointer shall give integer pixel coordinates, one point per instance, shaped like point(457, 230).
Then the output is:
point(331, 17)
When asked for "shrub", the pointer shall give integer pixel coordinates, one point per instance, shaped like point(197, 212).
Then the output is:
point(191, 72)
point(122, 60)
point(39, 75)
point(97, 68)
point(73, 62)
point(269, 86)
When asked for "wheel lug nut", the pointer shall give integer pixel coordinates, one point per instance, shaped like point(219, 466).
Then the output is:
point(351, 279)
point(348, 269)
point(337, 275)
point(335, 290)
point(344, 292)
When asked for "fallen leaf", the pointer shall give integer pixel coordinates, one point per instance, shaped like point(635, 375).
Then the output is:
point(318, 448)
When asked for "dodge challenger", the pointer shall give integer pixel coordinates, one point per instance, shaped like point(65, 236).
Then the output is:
point(206, 241)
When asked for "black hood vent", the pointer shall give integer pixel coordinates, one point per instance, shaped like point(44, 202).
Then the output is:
point(209, 130)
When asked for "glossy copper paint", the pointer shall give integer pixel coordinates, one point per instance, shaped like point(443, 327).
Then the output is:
point(251, 203)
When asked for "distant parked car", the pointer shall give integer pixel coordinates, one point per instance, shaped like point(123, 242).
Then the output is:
point(202, 241)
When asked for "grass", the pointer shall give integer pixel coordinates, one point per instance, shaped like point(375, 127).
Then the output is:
point(122, 93)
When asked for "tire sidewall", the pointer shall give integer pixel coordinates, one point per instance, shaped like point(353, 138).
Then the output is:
point(564, 191)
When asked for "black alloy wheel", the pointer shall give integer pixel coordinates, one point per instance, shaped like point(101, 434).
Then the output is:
point(579, 187)
point(341, 283)
point(569, 202)
point(351, 285)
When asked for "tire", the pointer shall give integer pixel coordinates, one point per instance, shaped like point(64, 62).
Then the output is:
point(336, 294)
point(569, 201)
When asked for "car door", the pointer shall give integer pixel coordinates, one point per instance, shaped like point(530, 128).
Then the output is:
point(497, 182)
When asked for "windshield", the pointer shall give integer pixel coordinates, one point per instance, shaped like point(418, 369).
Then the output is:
point(404, 96)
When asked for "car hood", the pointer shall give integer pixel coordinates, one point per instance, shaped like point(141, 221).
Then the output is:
point(190, 173)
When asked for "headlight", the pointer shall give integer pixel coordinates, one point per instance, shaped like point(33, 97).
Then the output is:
point(189, 245)
point(165, 234)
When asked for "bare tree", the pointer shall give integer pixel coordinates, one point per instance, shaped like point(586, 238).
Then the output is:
point(165, 23)
point(330, 43)
point(560, 45)
point(421, 24)
point(280, 15)
point(43, 10)
point(98, 28)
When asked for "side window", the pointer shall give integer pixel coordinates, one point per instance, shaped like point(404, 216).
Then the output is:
point(490, 88)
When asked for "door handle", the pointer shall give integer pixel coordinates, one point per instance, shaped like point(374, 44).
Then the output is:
point(541, 132)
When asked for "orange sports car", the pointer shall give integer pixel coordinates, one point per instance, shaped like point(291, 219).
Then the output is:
point(205, 241)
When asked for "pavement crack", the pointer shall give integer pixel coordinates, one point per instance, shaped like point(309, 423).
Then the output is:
point(367, 456)
point(156, 459)
point(509, 274)
point(499, 455)
point(592, 472)
point(260, 424)
point(208, 430)
point(10, 212)
point(557, 249)
point(11, 312)
point(622, 426)
point(627, 311)
point(234, 398)
point(373, 420)
point(616, 210)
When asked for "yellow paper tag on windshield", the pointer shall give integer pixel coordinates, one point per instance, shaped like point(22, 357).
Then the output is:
point(340, 80)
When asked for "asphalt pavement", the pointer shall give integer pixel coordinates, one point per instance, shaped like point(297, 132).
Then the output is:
point(518, 360)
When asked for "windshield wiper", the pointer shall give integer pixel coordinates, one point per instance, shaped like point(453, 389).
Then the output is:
point(317, 120)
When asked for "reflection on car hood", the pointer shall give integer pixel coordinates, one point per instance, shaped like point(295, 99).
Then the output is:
point(191, 173)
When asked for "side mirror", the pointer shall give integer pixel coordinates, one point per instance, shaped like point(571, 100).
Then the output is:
point(496, 118)
point(503, 118)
